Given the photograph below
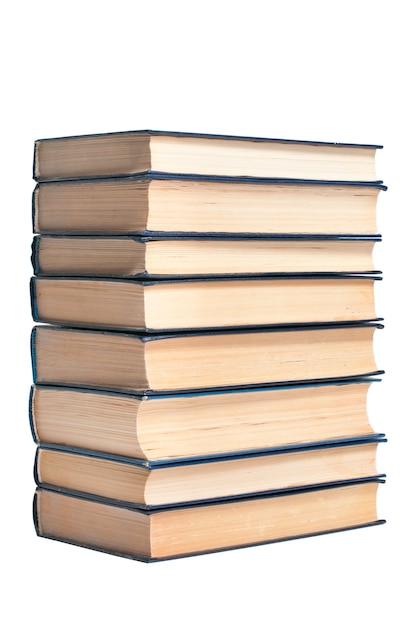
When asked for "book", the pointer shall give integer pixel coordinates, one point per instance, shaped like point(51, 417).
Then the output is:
point(159, 427)
point(209, 527)
point(132, 152)
point(140, 362)
point(166, 257)
point(188, 304)
point(154, 485)
point(165, 204)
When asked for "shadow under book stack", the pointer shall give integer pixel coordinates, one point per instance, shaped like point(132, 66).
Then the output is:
point(203, 348)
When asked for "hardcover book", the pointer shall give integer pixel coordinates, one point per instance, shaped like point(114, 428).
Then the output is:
point(140, 362)
point(132, 152)
point(165, 204)
point(189, 530)
point(172, 256)
point(159, 427)
point(188, 304)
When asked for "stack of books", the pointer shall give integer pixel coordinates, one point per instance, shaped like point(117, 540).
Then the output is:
point(203, 348)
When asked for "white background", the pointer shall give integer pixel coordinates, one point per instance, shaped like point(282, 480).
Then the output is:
point(331, 71)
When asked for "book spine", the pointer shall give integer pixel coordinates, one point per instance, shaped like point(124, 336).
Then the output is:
point(35, 514)
point(35, 255)
point(32, 417)
point(36, 476)
point(33, 299)
point(34, 208)
point(33, 353)
point(35, 160)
